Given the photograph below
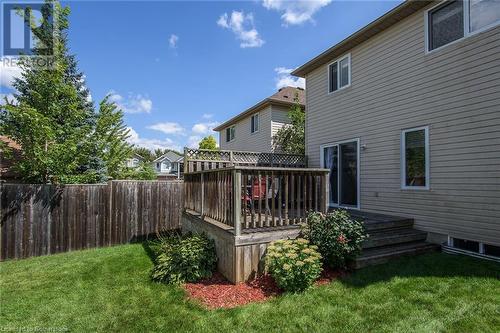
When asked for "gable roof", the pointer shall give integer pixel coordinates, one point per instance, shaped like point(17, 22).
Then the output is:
point(171, 155)
point(385, 21)
point(137, 156)
point(285, 96)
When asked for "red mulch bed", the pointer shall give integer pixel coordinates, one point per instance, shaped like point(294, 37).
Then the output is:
point(216, 292)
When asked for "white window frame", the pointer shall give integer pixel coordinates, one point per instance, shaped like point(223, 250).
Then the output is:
point(467, 32)
point(348, 56)
point(322, 163)
point(403, 159)
point(252, 122)
point(234, 136)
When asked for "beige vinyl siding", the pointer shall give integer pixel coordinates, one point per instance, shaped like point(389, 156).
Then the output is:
point(245, 140)
point(396, 85)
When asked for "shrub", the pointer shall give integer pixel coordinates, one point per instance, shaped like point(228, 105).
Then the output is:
point(294, 264)
point(337, 235)
point(184, 258)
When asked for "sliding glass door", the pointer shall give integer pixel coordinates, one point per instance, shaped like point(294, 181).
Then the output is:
point(342, 159)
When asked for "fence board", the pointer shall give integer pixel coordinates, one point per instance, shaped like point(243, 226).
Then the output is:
point(44, 219)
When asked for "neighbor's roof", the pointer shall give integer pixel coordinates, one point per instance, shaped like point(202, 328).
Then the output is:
point(172, 156)
point(390, 18)
point(285, 96)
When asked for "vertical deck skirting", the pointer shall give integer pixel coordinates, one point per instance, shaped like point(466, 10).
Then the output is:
point(240, 258)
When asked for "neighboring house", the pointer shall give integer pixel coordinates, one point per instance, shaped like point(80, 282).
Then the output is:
point(254, 128)
point(406, 115)
point(169, 165)
point(134, 161)
point(7, 159)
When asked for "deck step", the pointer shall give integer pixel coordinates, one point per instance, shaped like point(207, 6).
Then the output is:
point(391, 237)
point(376, 225)
point(380, 255)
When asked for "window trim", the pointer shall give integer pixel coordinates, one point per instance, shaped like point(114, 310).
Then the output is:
point(348, 56)
point(467, 32)
point(258, 123)
point(229, 137)
point(358, 187)
point(403, 159)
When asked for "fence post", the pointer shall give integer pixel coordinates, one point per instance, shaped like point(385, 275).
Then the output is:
point(231, 157)
point(110, 209)
point(202, 196)
point(237, 202)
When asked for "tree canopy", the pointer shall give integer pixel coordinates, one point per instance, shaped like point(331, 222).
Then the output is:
point(208, 142)
point(291, 137)
point(63, 139)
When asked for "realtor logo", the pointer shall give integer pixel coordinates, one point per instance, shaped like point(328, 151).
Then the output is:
point(19, 20)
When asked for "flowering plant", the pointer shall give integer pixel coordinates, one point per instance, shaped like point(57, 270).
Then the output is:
point(337, 235)
point(294, 264)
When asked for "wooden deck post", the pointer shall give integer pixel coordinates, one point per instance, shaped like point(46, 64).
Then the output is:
point(326, 192)
point(237, 202)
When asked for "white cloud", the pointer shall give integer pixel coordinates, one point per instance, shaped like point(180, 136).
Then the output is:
point(193, 141)
point(132, 104)
point(151, 144)
point(204, 128)
point(207, 116)
point(296, 12)
point(168, 128)
point(172, 41)
point(243, 27)
point(284, 79)
point(9, 70)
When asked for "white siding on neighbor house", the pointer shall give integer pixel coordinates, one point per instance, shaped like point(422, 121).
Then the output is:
point(279, 117)
point(244, 140)
point(396, 85)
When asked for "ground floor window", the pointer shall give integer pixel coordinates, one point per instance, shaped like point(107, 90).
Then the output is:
point(415, 158)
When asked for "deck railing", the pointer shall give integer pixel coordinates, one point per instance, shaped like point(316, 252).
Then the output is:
point(201, 159)
point(246, 198)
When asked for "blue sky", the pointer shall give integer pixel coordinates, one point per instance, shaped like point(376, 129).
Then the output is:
point(179, 68)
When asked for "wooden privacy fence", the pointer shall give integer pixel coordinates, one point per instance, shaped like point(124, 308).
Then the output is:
point(45, 219)
point(248, 198)
point(202, 159)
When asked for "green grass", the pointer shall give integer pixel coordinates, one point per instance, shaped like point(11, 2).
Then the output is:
point(109, 290)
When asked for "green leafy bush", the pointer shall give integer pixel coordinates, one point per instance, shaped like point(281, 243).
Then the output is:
point(294, 264)
point(337, 235)
point(184, 258)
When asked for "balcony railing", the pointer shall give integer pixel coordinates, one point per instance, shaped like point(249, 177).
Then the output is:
point(201, 159)
point(256, 198)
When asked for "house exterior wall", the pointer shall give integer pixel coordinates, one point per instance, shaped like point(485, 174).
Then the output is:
point(245, 140)
point(395, 85)
point(271, 119)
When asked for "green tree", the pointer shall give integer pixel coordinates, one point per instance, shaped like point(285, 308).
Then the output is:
point(291, 138)
point(145, 153)
point(144, 171)
point(208, 142)
point(109, 139)
point(52, 118)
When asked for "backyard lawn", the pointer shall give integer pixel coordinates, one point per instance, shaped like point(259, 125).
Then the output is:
point(109, 290)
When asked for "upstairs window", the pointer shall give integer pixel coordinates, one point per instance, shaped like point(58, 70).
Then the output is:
point(339, 74)
point(446, 24)
point(483, 13)
point(254, 126)
point(453, 20)
point(230, 132)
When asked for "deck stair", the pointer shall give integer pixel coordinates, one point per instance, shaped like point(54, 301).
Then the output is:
point(390, 237)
